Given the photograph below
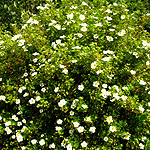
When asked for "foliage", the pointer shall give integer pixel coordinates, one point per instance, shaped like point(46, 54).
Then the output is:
point(75, 77)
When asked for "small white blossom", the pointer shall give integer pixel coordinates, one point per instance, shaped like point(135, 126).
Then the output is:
point(105, 139)
point(112, 128)
point(56, 89)
point(133, 72)
point(141, 108)
point(84, 144)
point(141, 146)
point(80, 129)
point(109, 38)
point(76, 124)
point(32, 101)
point(65, 71)
point(109, 119)
point(81, 87)
point(59, 121)
point(82, 17)
point(34, 141)
point(92, 129)
point(52, 145)
point(142, 82)
point(95, 84)
point(42, 142)
point(57, 128)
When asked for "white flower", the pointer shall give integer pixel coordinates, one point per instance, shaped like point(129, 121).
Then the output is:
point(8, 130)
point(84, 106)
point(61, 66)
point(58, 41)
point(23, 147)
point(0, 117)
point(124, 97)
point(70, 16)
point(35, 60)
point(104, 85)
point(81, 87)
point(108, 51)
point(13, 136)
point(80, 129)
point(92, 129)
point(112, 128)
point(109, 18)
point(56, 89)
point(24, 120)
point(38, 98)
point(122, 33)
point(95, 36)
point(109, 119)
point(71, 113)
point(19, 138)
point(76, 124)
point(43, 89)
point(32, 101)
point(84, 144)
point(105, 139)
point(42, 142)
point(124, 88)
point(34, 73)
point(141, 146)
point(88, 119)
point(98, 24)
point(148, 63)
point(108, 10)
point(122, 16)
point(65, 71)
point(8, 123)
point(82, 17)
point(142, 82)
point(25, 94)
point(109, 38)
point(149, 104)
point(21, 42)
point(52, 145)
point(127, 137)
point(83, 24)
point(141, 108)
point(17, 101)
point(69, 147)
point(95, 84)
point(59, 121)
point(34, 141)
point(93, 65)
point(0, 79)
point(111, 29)
point(84, 3)
point(144, 138)
point(99, 71)
point(19, 123)
point(57, 26)
point(76, 47)
point(62, 103)
point(84, 29)
point(74, 61)
point(57, 128)
point(106, 58)
point(79, 35)
point(133, 72)
point(2, 97)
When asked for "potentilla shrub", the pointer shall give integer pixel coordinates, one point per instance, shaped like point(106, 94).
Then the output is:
point(76, 77)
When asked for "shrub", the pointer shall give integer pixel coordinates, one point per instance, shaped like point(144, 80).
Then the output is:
point(75, 77)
